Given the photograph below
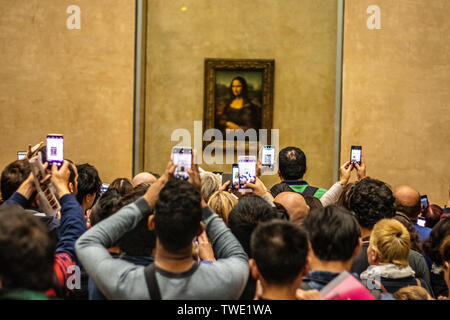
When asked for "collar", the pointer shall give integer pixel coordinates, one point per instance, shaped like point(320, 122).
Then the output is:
point(295, 182)
point(389, 270)
point(323, 277)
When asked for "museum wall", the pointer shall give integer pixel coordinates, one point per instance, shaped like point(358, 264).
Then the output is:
point(78, 82)
point(300, 35)
point(396, 93)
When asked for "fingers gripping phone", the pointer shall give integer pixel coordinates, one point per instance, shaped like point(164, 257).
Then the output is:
point(247, 172)
point(355, 155)
point(235, 177)
point(182, 157)
point(55, 149)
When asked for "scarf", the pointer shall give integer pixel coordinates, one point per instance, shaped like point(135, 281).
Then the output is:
point(391, 271)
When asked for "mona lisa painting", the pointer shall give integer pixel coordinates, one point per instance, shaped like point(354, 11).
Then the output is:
point(238, 94)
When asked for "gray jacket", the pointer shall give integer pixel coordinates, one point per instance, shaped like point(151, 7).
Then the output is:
point(119, 279)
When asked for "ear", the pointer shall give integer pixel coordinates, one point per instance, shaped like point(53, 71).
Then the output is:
point(307, 267)
point(90, 197)
point(308, 209)
point(279, 174)
point(201, 228)
point(71, 188)
point(254, 269)
point(151, 222)
point(372, 256)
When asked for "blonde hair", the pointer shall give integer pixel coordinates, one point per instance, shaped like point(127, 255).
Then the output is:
point(210, 184)
point(411, 293)
point(390, 239)
point(221, 202)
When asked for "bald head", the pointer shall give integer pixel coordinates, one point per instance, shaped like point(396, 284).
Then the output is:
point(295, 205)
point(407, 200)
point(144, 177)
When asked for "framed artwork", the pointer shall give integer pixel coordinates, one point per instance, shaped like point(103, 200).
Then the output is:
point(238, 95)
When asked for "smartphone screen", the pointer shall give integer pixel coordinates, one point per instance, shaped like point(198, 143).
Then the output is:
point(424, 201)
point(21, 155)
point(55, 149)
point(421, 222)
point(355, 154)
point(182, 157)
point(247, 171)
point(268, 156)
point(235, 176)
point(103, 188)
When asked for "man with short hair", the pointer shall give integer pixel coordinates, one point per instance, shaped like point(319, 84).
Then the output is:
point(89, 185)
point(372, 200)
point(178, 212)
point(407, 201)
point(279, 252)
point(144, 177)
point(292, 167)
point(295, 205)
point(334, 237)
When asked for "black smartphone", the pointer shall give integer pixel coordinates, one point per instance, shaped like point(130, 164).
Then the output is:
point(355, 155)
point(55, 149)
point(268, 156)
point(182, 157)
point(424, 201)
point(21, 155)
point(235, 176)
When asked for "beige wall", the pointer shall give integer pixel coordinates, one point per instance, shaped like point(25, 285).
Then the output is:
point(300, 35)
point(75, 82)
point(396, 92)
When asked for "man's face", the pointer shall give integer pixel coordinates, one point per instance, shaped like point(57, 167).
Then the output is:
point(236, 88)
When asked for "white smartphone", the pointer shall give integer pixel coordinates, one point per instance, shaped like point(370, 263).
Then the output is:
point(55, 149)
point(247, 172)
point(21, 155)
point(268, 156)
point(235, 176)
point(355, 154)
point(182, 157)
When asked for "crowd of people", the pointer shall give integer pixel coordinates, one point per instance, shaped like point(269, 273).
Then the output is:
point(156, 237)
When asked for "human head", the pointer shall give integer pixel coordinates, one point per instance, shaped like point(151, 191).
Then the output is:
point(73, 178)
point(279, 188)
point(238, 87)
point(26, 251)
point(411, 293)
point(123, 185)
point(344, 197)
point(177, 216)
point(432, 215)
point(144, 177)
point(292, 163)
point(279, 251)
point(371, 200)
point(106, 205)
point(407, 200)
point(445, 255)
point(389, 243)
point(140, 241)
point(413, 236)
point(295, 205)
point(89, 185)
point(221, 202)
point(210, 184)
point(13, 176)
point(245, 216)
point(433, 243)
point(333, 233)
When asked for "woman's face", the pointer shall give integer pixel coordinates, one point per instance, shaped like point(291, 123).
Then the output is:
point(236, 88)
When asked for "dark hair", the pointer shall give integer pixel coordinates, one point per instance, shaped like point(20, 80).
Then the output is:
point(333, 232)
point(432, 215)
point(292, 163)
point(371, 200)
point(107, 204)
point(279, 188)
point(432, 245)
point(280, 250)
point(139, 241)
point(178, 214)
point(88, 181)
point(13, 176)
point(123, 185)
point(313, 202)
point(26, 251)
point(281, 211)
point(412, 211)
point(244, 92)
point(245, 216)
point(414, 238)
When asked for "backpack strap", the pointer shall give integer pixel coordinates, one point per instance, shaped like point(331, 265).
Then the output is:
point(310, 191)
point(152, 283)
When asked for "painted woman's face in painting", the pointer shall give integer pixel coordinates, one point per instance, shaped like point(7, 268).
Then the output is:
point(236, 88)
